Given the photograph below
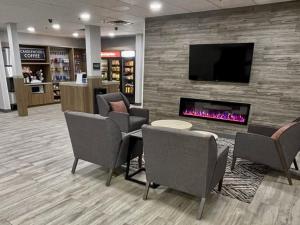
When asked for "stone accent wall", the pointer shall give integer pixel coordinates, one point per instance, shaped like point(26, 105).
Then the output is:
point(274, 89)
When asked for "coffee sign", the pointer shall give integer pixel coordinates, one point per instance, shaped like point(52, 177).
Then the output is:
point(33, 54)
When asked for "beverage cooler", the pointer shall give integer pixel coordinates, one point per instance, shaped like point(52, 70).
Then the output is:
point(128, 78)
point(111, 65)
point(120, 66)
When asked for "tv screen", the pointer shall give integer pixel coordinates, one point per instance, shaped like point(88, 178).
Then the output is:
point(221, 62)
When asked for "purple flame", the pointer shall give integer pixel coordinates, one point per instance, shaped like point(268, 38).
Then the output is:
point(219, 115)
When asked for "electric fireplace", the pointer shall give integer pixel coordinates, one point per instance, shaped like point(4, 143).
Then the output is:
point(230, 112)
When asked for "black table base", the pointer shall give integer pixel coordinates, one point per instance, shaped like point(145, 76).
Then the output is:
point(130, 176)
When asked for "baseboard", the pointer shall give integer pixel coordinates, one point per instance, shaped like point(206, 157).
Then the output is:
point(5, 110)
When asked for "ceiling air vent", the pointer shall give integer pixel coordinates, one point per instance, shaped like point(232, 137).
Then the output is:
point(118, 22)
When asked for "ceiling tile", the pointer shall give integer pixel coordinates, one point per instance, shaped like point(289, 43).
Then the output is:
point(193, 5)
point(37, 12)
point(232, 3)
point(270, 1)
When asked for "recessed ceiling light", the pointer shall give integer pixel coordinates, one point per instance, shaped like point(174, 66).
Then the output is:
point(56, 26)
point(85, 16)
point(31, 29)
point(155, 6)
point(111, 34)
point(75, 34)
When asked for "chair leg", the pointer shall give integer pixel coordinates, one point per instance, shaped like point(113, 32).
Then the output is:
point(296, 165)
point(289, 177)
point(201, 207)
point(140, 159)
point(233, 162)
point(74, 165)
point(109, 176)
point(220, 185)
point(146, 190)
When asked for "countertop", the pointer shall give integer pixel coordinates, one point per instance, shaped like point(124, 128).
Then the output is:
point(38, 84)
point(72, 83)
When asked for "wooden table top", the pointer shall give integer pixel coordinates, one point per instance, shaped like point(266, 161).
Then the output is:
point(176, 124)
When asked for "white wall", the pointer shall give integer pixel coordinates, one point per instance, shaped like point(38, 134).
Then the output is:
point(4, 97)
point(93, 49)
point(37, 39)
point(139, 69)
point(118, 43)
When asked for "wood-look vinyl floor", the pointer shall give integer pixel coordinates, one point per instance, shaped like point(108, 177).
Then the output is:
point(37, 187)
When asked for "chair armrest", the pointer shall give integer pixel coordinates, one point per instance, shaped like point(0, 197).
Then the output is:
point(220, 166)
point(256, 148)
point(223, 153)
point(139, 112)
point(132, 144)
point(121, 119)
point(262, 129)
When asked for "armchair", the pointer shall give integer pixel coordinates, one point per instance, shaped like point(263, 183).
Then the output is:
point(184, 160)
point(277, 151)
point(98, 140)
point(130, 121)
point(264, 129)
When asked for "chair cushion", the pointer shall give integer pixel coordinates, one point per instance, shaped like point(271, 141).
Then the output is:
point(281, 130)
point(119, 106)
point(136, 122)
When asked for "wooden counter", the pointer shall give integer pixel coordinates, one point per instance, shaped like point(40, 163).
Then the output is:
point(80, 97)
point(74, 97)
point(45, 96)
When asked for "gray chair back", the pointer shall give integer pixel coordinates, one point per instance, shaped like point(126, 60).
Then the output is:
point(94, 138)
point(183, 160)
point(290, 142)
point(104, 100)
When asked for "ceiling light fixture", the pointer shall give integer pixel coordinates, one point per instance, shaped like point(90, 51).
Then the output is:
point(85, 16)
point(31, 29)
point(111, 34)
point(56, 26)
point(75, 34)
point(155, 6)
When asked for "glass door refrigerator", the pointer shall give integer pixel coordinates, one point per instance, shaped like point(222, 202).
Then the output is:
point(128, 78)
point(111, 65)
point(104, 69)
point(115, 69)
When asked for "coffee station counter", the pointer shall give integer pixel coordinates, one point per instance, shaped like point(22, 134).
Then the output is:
point(39, 93)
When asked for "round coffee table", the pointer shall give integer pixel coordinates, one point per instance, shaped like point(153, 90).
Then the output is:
point(176, 124)
point(207, 133)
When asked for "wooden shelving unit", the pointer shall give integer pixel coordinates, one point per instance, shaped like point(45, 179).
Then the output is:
point(79, 60)
point(59, 64)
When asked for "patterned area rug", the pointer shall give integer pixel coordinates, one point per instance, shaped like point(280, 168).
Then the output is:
point(241, 183)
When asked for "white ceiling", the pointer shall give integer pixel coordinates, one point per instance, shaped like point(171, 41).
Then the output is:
point(37, 12)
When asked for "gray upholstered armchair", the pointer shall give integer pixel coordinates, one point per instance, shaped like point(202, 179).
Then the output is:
point(98, 140)
point(133, 120)
point(275, 149)
point(265, 130)
point(184, 160)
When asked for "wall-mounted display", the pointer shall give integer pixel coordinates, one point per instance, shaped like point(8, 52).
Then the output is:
point(221, 62)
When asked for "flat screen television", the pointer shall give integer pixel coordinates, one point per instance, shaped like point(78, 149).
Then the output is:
point(221, 62)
